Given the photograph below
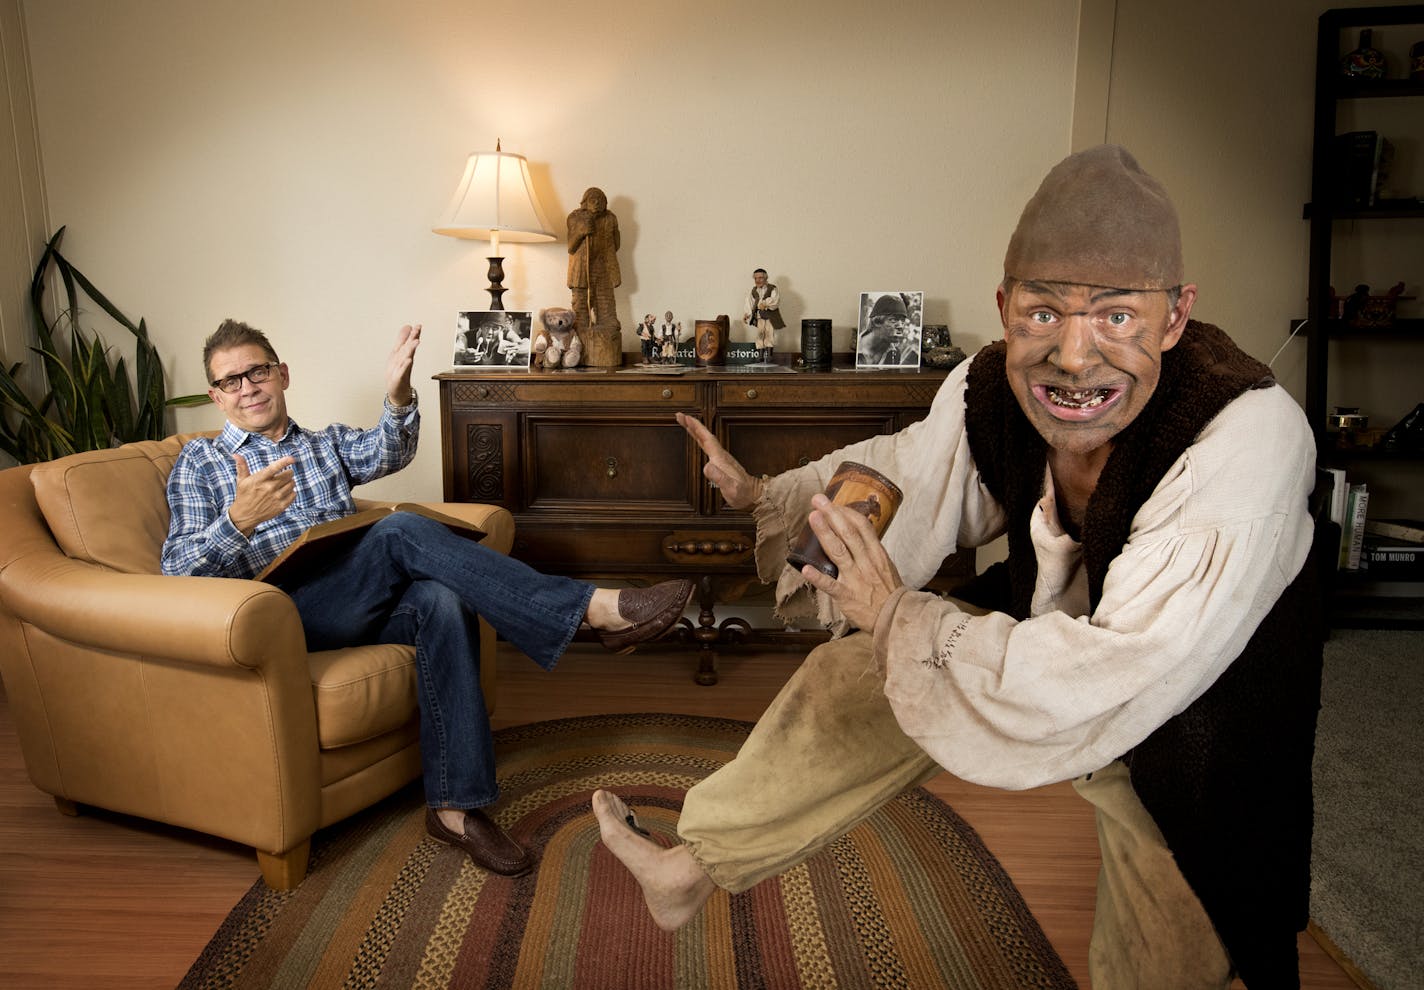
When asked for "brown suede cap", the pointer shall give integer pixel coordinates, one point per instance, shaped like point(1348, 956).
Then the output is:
point(1098, 219)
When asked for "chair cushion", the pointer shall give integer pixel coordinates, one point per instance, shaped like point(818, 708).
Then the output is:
point(362, 692)
point(109, 507)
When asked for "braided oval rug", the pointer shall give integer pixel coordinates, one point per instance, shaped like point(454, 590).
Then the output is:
point(910, 898)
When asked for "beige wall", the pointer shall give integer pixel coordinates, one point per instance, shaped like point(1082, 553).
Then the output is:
point(282, 162)
point(23, 230)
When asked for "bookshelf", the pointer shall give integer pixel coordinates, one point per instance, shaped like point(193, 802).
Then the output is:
point(1377, 243)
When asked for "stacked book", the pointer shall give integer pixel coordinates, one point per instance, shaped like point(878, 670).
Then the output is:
point(1393, 549)
point(1349, 505)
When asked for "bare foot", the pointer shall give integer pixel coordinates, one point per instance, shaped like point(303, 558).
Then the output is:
point(674, 886)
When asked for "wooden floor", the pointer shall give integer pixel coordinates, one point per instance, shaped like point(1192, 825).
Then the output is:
point(102, 900)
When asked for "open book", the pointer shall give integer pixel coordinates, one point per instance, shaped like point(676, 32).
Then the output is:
point(325, 540)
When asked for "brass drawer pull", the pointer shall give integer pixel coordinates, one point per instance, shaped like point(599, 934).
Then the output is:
point(751, 393)
point(667, 393)
point(722, 547)
point(612, 466)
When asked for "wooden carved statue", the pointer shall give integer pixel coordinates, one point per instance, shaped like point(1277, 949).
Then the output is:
point(593, 275)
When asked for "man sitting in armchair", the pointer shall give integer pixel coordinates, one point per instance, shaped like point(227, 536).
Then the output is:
point(238, 499)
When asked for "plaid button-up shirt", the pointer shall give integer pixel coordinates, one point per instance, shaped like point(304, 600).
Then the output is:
point(202, 539)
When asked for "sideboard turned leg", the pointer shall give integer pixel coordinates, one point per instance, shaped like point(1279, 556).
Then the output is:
point(706, 633)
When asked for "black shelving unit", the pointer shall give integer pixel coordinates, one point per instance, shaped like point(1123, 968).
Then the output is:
point(1355, 602)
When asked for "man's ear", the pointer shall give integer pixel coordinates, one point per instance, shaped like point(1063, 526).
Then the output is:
point(1177, 319)
point(1001, 300)
point(285, 374)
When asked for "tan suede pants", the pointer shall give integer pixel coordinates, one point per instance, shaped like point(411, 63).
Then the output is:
point(828, 752)
point(1149, 929)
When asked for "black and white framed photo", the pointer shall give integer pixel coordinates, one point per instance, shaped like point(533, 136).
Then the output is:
point(889, 334)
point(493, 338)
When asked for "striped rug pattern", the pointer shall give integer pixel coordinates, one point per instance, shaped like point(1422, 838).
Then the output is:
point(909, 899)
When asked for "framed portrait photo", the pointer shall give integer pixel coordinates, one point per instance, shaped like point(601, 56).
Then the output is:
point(491, 339)
point(890, 331)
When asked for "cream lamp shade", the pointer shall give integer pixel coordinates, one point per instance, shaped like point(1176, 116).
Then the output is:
point(495, 199)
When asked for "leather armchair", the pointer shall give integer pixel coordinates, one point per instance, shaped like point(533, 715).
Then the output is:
point(188, 700)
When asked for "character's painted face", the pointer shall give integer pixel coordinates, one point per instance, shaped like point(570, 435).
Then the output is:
point(1082, 360)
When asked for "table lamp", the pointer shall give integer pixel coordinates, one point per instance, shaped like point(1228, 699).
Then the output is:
point(495, 199)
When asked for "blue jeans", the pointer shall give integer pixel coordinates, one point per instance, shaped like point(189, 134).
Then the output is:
point(410, 580)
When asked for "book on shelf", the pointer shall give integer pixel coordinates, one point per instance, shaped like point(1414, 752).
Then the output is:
point(1353, 534)
point(1339, 495)
point(1362, 162)
point(324, 540)
point(1388, 559)
point(1408, 530)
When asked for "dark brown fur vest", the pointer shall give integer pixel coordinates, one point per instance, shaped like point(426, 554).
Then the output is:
point(1228, 780)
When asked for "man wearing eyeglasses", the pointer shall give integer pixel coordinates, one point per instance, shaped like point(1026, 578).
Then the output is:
point(238, 499)
point(1153, 636)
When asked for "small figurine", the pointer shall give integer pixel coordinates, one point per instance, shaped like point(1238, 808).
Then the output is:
point(669, 336)
point(647, 336)
point(593, 275)
point(1365, 312)
point(762, 312)
point(557, 344)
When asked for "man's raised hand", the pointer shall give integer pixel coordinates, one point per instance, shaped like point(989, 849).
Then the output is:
point(398, 368)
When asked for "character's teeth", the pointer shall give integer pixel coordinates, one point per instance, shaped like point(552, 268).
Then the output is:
point(1082, 398)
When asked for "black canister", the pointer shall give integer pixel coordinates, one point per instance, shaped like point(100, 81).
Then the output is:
point(816, 343)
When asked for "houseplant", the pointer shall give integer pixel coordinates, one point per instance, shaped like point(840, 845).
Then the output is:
point(87, 403)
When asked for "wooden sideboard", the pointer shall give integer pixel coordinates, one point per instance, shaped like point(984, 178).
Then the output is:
point(603, 483)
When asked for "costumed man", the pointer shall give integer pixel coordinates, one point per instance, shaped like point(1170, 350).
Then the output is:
point(238, 499)
point(762, 312)
point(1154, 634)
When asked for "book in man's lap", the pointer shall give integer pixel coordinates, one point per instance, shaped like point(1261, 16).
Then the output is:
point(334, 537)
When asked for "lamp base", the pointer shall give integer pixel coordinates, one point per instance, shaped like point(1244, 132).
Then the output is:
point(496, 276)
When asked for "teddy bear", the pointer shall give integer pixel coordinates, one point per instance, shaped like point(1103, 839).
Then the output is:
point(557, 344)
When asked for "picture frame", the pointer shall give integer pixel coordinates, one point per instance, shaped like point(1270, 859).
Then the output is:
point(890, 330)
point(493, 339)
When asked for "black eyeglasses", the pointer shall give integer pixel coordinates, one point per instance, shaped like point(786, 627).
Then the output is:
point(256, 375)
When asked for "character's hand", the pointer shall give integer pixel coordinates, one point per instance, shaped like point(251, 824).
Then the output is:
point(400, 363)
point(261, 496)
point(867, 574)
point(738, 488)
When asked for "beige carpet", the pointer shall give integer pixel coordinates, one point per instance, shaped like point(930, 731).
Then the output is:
point(1367, 865)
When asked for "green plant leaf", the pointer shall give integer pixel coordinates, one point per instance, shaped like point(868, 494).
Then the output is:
point(86, 402)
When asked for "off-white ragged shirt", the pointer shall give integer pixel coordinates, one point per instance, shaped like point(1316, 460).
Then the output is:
point(1018, 704)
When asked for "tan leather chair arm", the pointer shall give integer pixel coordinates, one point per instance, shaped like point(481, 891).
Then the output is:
point(217, 621)
point(495, 520)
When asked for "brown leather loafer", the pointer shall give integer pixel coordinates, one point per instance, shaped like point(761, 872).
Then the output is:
point(484, 841)
point(651, 610)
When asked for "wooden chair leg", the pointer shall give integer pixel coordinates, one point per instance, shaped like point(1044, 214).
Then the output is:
point(283, 871)
point(66, 807)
